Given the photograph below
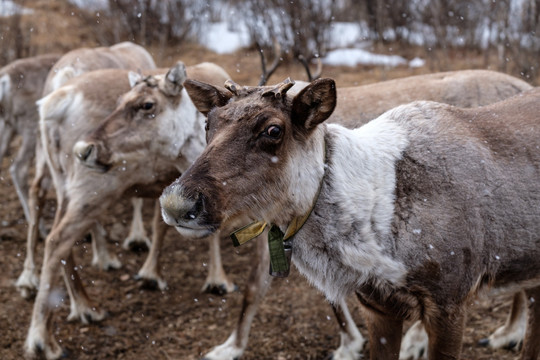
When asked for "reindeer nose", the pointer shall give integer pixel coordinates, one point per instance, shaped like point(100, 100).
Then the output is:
point(83, 150)
point(177, 209)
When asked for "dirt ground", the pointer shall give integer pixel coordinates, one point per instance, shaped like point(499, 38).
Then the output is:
point(294, 321)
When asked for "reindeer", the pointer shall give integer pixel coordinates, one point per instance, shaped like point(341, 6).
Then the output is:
point(469, 88)
point(415, 212)
point(125, 55)
point(96, 177)
point(21, 84)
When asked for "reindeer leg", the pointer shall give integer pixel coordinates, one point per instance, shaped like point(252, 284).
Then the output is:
point(101, 257)
point(6, 135)
point(531, 343)
point(137, 237)
point(352, 342)
point(216, 280)
point(384, 334)
point(149, 272)
point(511, 334)
point(27, 283)
point(445, 333)
point(40, 339)
point(258, 284)
point(19, 169)
point(81, 307)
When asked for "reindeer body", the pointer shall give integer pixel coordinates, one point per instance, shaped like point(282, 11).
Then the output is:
point(124, 55)
point(464, 88)
point(84, 105)
point(417, 211)
point(464, 217)
point(21, 85)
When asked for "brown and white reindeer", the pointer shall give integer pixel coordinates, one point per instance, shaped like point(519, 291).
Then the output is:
point(469, 88)
point(415, 212)
point(156, 109)
point(125, 55)
point(21, 85)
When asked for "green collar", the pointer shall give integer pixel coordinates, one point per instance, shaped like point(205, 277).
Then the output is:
point(279, 244)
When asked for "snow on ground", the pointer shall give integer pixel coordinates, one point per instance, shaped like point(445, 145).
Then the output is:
point(222, 38)
point(353, 57)
point(9, 8)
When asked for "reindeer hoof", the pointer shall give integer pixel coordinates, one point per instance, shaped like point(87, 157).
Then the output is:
point(151, 283)
point(38, 351)
point(136, 246)
point(483, 342)
point(218, 289)
point(512, 344)
point(27, 293)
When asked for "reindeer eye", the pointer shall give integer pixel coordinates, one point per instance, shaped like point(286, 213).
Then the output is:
point(147, 105)
point(273, 131)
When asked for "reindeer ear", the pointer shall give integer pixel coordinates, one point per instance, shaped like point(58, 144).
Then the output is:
point(134, 78)
point(205, 96)
point(173, 82)
point(314, 104)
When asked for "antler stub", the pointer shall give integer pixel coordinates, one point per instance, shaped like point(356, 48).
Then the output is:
point(232, 87)
point(280, 89)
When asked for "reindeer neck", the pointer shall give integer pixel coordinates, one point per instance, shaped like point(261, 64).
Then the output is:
point(194, 142)
point(306, 168)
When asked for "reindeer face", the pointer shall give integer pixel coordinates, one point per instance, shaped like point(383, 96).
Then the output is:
point(245, 170)
point(147, 124)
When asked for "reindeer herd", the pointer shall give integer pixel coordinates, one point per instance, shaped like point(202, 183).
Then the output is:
point(414, 195)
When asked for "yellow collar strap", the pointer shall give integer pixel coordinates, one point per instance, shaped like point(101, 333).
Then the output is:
point(251, 231)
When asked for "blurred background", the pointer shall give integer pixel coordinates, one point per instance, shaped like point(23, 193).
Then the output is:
point(377, 36)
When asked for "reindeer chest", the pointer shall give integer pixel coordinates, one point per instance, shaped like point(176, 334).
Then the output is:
point(339, 265)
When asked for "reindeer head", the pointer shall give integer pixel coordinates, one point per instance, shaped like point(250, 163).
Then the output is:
point(153, 119)
point(254, 162)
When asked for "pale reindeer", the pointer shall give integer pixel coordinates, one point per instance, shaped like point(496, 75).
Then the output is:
point(124, 55)
point(21, 85)
point(415, 212)
point(469, 88)
point(157, 108)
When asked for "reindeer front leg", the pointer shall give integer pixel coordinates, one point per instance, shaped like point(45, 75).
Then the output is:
point(258, 284)
point(27, 283)
point(58, 245)
point(445, 332)
point(40, 338)
point(149, 272)
point(217, 281)
point(384, 334)
point(137, 234)
point(81, 307)
point(101, 257)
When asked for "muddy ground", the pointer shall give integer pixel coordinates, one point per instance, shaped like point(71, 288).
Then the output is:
point(294, 321)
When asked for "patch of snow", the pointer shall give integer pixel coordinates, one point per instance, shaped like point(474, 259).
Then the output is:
point(353, 57)
point(9, 8)
point(417, 62)
point(221, 38)
point(93, 5)
point(344, 35)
